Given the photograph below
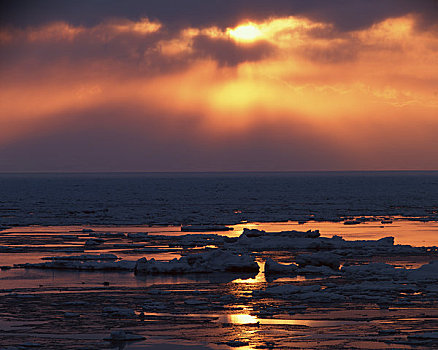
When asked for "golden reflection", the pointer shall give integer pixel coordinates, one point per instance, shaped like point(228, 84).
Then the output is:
point(246, 331)
point(242, 319)
point(260, 278)
point(247, 319)
point(251, 328)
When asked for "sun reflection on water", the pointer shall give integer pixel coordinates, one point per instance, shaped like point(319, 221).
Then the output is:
point(259, 278)
point(242, 319)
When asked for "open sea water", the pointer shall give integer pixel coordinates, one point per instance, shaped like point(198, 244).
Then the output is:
point(223, 198)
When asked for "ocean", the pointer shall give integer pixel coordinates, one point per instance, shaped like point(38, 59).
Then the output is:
point(205, 198)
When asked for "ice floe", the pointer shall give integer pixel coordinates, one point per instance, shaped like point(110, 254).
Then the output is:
point(84, 264)
point(107, 234)
point(216, 260)
point(119, 312)
point(272, 267)
point(425, 273)
point(94, 241)
point(205, 228)
point(319, 259)
point(138, 235)
point(374, 271)
point(83, 257)
point(199, 240)
point(69, 237)
point(122, 335)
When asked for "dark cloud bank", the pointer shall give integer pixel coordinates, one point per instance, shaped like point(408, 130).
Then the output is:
point(344, 14)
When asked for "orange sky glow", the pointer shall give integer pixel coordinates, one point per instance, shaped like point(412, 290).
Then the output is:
point(301, 87)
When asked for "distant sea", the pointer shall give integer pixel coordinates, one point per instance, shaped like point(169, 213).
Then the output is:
point(223, 198)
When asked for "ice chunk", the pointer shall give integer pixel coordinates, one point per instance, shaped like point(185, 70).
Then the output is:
point(194, 302)
point(353, 222)
point(425, 336)
point(91, 265)
point(316, 270)
point(257, 240)
point(93, 241)
point(216, 260)
point(121, 335)
point(198, 240)
point(385, 241)
point(300, 234)
point(205, 228)
point(319, 259)
point(290, 234)
point(253, 232)
point(119, 312)
point(429, 340)
point(107, 234)
point(129, 245)
point(29, 345)
point(236, 343)
point(69, 237)
point(83, 257)
point(427, 272)
point(286, 289)
point(311, 293)
point(273, 267)
point(373, 270)
point(138, 235)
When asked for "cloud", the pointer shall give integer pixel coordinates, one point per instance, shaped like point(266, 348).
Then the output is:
point(337, 52)
point(120, 93)
point(345, 15)
point(228, 52)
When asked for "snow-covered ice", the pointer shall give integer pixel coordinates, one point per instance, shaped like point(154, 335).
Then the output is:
point(216, 260)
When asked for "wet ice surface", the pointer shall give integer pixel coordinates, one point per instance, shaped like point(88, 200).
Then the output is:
point(305, 291)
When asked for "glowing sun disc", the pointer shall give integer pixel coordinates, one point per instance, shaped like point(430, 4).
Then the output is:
point(246, 32)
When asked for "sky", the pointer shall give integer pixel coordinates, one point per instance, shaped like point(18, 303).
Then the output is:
point(239, 85)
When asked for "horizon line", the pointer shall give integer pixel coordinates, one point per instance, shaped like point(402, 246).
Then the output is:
point(218, 171)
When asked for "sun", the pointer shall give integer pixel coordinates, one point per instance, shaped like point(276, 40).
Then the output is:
point(245, 32)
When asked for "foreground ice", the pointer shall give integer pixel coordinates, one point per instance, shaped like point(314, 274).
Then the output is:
point(258, 240)
point(85, 263)
point(305, 276)
point(426, 273)
point(319, 259)
point(273, 267)
point(216, 260)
